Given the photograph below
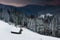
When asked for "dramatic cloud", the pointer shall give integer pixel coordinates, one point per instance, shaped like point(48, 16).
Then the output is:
point(25, 2)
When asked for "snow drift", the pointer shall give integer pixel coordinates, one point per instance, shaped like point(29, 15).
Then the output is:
point(5, 33)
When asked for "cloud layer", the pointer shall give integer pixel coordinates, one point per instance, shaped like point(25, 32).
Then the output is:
point(25, 2)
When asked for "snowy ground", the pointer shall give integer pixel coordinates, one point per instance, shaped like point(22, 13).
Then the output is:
point(5, 33)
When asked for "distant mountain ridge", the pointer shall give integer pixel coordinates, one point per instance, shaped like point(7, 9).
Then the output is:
point(32, 9)
point(35, 9)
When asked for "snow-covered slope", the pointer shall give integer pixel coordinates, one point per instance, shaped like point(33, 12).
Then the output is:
point(5, 33)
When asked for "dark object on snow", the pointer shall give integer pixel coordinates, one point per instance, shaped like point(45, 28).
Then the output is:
point(20, 32)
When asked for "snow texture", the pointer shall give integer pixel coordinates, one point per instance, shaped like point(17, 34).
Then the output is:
point(5, 33)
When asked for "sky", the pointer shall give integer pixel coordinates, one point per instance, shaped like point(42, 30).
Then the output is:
point(19, 3)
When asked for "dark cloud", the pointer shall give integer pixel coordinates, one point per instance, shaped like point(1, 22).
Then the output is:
point(25, 2)
point(49, 0)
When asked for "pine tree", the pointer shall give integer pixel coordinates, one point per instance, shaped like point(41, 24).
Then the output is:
point(1, 10)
